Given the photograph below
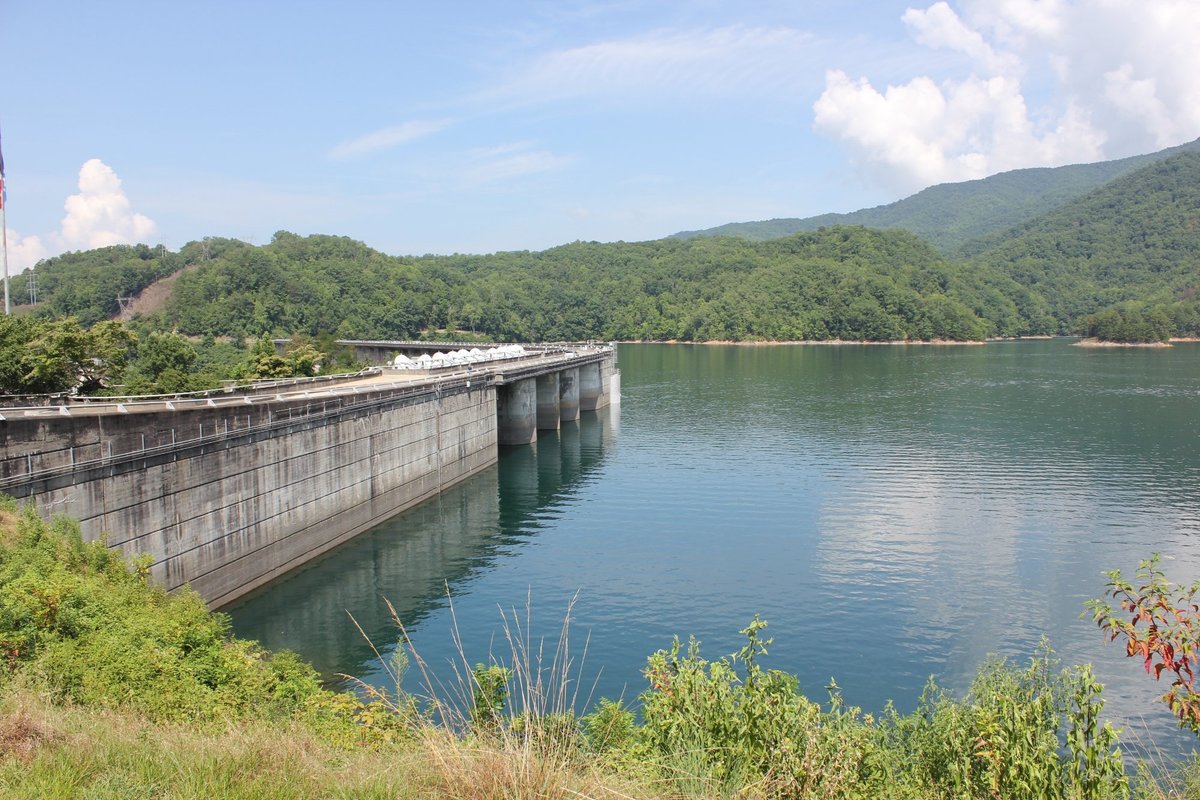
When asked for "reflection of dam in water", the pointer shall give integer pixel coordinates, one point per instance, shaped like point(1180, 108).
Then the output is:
point(412, 558)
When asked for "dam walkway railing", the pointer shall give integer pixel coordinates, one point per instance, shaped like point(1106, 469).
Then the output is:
point(285, 402)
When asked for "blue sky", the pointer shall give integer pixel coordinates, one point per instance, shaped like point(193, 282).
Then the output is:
point(475, 127)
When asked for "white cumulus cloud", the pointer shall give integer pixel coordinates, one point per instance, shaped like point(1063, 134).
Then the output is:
point(24, 251)
point(1049, 82)
point(98, 216)
point(924, 132)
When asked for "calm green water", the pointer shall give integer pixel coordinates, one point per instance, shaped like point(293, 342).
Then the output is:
point(893, 512)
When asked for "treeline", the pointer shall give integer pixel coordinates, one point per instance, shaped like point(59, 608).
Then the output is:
point(953, 217)
point(61, 356)
point(1135, 242)
point(838, 283)
point(1131, 324)
point(91, 284)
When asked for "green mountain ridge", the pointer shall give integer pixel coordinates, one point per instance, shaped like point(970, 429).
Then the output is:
point(952, 215)
point(1129, 247)
point(1135, 240)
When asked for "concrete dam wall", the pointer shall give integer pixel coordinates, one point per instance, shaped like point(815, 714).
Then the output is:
point(226, 501)
point(229, 491)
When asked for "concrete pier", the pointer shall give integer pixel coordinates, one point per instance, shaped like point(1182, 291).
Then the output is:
point(591, 388)
point(568, 395)
point(548, 417)
point(516, 412)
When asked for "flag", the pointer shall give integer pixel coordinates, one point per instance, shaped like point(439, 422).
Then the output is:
point(3, 189)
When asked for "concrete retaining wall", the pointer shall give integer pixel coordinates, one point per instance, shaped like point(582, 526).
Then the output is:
point(228, 492)
point(243, 496)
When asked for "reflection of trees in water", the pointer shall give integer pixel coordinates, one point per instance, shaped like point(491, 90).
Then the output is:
point(410, 559)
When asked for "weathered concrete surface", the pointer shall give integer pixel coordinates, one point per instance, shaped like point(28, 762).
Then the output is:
point(596, 382)
point(568, 394)
point(548, 417)
point(590, 387)
point(230, 514)
point(516, 412)
point(230, 491)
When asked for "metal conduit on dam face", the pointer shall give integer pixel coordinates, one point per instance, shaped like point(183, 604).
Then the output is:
point(227, 490)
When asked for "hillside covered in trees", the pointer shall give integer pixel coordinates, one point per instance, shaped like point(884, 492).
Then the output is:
point(1130, 247)
point(1133, 243)
point(950, 216)
point(838, 283)
point(90, 285)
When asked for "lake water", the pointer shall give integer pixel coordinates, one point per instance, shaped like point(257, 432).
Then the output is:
point(894, 513)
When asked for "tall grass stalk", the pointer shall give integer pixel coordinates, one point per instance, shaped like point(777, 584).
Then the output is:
point(504, 727)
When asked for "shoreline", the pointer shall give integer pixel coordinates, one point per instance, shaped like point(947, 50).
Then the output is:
point(832, 342)
point(1102, 344)
point(915, 342)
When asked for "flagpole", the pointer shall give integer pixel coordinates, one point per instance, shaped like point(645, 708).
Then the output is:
point(4, 254)
point(4, 235)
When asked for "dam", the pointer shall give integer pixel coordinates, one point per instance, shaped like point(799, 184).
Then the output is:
point(227, 490)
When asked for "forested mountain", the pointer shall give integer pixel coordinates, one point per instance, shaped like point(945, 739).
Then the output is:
point(1123, 260)
point(951, 215)
point(1133, 241)
point(841, 283)
point(89, 284)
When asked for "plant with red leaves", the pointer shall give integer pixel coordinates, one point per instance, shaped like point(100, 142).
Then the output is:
point(1162, 628)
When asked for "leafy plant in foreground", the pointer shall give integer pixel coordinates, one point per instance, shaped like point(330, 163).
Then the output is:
point(1032, 732)
point(729, 727)
point(1163, 630)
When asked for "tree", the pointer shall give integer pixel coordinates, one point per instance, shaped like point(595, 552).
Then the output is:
point(165, 363)
point(50, 357)
point(265, 362)
point(300, 359)
point(1163, 630)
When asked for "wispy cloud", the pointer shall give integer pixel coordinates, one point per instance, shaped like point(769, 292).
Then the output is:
point(512, 161)
point(689, 63)
point(387, 138)
point(940, 27)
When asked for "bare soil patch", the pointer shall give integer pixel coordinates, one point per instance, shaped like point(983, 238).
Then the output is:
point(21, 734)
point(154, 297)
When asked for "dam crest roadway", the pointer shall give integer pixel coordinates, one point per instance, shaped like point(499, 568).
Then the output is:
point(228, 489)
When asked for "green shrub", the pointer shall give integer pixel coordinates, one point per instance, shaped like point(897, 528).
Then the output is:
point(75, 619)
point(735, 728)
point(1029, 732)
point(610, 728)
point(1018, 733)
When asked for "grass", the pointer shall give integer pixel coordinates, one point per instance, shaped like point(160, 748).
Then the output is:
point(62, 751)
point(51, 750)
